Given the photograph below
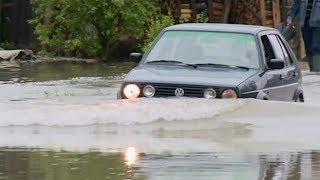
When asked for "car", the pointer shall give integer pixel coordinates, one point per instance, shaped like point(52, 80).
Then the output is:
point(216, 61)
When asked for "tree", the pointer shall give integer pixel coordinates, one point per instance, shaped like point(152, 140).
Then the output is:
point(89, 27)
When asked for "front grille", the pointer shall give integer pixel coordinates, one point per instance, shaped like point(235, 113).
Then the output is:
point(165, 90)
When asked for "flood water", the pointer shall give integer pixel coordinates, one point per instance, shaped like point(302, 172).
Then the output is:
point(62, 121)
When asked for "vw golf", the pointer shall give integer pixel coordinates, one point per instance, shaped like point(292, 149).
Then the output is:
point(224, 61)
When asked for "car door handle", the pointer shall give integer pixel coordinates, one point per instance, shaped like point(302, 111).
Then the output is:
point(281, 77)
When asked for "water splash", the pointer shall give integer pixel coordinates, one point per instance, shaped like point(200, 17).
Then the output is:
point(124, 112)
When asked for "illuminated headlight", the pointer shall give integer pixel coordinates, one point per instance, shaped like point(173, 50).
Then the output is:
point(131, 91)
point(229, 94)
point(149, 91)
point(210, 93)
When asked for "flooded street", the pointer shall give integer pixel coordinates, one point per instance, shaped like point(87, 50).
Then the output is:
point(62, 121)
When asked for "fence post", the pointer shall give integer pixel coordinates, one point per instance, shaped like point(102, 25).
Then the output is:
point(193, 10)
point(263, 12)
point(276, 12)
point(210, 10)
point(227, 8)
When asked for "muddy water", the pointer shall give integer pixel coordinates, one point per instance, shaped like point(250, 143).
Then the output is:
point(62, 121)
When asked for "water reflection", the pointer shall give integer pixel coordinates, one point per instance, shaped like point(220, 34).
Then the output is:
point(283, 166)
point(131, 156)
point(45, 165)
point(40, 164)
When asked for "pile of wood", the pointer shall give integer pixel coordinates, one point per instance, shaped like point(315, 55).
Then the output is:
point(216, 11)
point(191, 10)
point(185, 11)
point(245, 12)
point(262, 12)
point(259, 12)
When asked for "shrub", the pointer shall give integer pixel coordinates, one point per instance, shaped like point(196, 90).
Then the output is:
point(155, 28)
point(89, 28)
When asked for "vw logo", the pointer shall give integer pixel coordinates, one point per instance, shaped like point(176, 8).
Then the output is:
point(179, 92)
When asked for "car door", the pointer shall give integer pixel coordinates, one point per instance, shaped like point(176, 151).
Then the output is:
point(291, 72)
point(277, 80)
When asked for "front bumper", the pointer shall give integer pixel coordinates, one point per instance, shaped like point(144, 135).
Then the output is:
point(168, 90)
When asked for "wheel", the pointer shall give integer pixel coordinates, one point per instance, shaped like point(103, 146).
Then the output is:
point(300, 98)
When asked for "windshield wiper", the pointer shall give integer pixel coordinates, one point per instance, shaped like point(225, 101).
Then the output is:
point(211, 64)
point(241, 67)
point(222, 65)
point(171, 61)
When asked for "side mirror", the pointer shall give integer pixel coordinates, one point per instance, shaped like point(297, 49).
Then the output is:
point(276, 63)
point(135, 57)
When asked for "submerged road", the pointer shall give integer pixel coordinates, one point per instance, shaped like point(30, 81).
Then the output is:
point(182, 138)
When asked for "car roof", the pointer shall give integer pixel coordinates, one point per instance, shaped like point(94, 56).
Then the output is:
point(237, 28)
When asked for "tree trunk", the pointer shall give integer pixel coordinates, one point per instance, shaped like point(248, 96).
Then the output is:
point(104, 42)
point(105, 53)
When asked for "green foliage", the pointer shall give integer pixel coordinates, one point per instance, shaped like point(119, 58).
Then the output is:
point(155, 28)
point(89, 28)
point(164, 21)
point(202, 17)
point(7, 45)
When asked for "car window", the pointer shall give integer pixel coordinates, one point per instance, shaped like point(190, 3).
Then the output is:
point(278, 52)
point(285, 52)
point(163, 46)
point(267, 47)
point(207, 47)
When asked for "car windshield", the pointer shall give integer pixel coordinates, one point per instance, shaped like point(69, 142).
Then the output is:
point(206, 48)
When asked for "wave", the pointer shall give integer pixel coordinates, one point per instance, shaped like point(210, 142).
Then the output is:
point(123, 112)
point(164, 125)
point(141, 111)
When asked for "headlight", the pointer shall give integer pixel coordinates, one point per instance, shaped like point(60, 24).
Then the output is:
point(210, 93)
point(149, 91)
point(229, 94)
point(131, 91)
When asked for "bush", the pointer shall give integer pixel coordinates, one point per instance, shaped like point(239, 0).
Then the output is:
point(155, 28)
point(7, 45)
point(88, 28)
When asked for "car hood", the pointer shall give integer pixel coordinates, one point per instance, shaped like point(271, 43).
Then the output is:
point(228, 77)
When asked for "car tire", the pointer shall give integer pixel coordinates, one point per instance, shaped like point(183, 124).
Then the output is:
point(300, 98)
